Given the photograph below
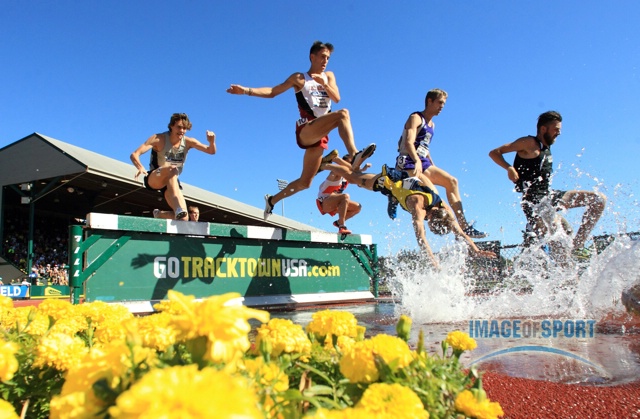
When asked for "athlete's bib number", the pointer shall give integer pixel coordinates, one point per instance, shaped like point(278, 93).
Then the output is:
point(302, 121)
point(423, 149)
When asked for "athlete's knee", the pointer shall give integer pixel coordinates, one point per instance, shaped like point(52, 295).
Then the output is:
point(344, 114)
point(453, 182)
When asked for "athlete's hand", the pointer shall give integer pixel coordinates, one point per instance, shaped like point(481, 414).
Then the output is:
point(140, 172)
point(513, 174)
point(320, 78)
point(485, 254)
point(211, 136)
point(237, 89)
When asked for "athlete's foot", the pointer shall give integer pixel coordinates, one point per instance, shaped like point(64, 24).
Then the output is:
point(473, 233)
point(362, 155)
point(328, 159)
point(343, 230)
point(180, 213)
point(268, 206)
point(581, 254)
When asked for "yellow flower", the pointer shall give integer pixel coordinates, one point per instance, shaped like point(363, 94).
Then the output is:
point(8, 361)
point(59, 351)
point(7, 411)
point(267, 375)
point(461, 341)
point(154, 331)
point(38, 323)
point(225, 326)
point(467, 404)
point(185, 392)
point(69, 318)
point(382, 400)
point(285, 337)
point(333, 323)
point(76, 405)
point(110, 363)
point(358, 362)
point(348, 413)
point(6, 303)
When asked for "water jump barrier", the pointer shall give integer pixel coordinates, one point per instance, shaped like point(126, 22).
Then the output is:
point(135, 261)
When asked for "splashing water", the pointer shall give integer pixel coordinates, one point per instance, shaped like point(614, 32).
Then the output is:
point(552, 290)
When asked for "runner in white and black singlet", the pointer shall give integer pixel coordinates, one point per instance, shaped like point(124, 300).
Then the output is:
point(315, 91)
point(168, 155)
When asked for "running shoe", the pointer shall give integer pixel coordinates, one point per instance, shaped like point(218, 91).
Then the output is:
point(180, 213)
point(362, 155)
point(473, 233)
point(335, 224)
point(328, 159)
point(343, 230)
point(156, 212)
point(581, 254)
point(392, 207)
point(268, 208)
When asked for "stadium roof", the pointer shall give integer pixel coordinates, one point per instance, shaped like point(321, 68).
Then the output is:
point(64, 179)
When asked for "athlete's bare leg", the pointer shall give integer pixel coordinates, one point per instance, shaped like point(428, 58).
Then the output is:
point(323, 125)
point(310, 165)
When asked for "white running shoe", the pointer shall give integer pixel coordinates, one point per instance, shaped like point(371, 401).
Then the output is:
point(156, 212)
point(180, 213)
point(268, 208)
point(362, 155)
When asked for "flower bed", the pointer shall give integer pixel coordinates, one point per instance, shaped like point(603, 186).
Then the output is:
point(195, 359)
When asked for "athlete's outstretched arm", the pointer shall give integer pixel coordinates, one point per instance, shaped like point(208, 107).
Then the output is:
point(497, 155)
point(210, 149)
point(296, 79)
point(135, 156)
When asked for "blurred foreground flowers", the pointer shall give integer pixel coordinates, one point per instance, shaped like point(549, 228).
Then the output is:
point(214, 358)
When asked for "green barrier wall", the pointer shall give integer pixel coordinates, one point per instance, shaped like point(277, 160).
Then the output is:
point(122, 258)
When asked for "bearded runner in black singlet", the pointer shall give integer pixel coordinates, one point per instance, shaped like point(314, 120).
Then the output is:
point(531, 173)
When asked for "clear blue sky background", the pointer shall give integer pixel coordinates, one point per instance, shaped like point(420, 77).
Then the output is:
point(106, 75)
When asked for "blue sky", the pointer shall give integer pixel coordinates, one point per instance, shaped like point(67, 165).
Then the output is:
point(106, 75)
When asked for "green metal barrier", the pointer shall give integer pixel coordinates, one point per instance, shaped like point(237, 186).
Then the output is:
point(136, 261)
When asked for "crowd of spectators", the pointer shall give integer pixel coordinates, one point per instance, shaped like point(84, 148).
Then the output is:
point(50, 252)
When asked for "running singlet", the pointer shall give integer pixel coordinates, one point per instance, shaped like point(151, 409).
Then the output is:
point(402, 187)
point(313, 100)
point(423, 137)
point(534, 174)
point(175, 156)
point(330, 186)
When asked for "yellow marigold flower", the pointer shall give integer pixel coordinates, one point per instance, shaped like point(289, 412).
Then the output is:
point(59, 351)
point(7, 411)
point(333, 323)
point(382, 400)
point(154, 331)
point(358, 362)
point(175, 306)
point(284, 336)
point(76, 405)
point(6, 303)
point(8, 362)
point(348, 413)
point(461, 341)
point(186, 393)
point(38, 322)
point(467, 404)
point(267, 375)
point(110, 330)
point(100, 312)
point(225, 326)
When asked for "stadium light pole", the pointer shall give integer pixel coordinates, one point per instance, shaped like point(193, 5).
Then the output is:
point(281, 185)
